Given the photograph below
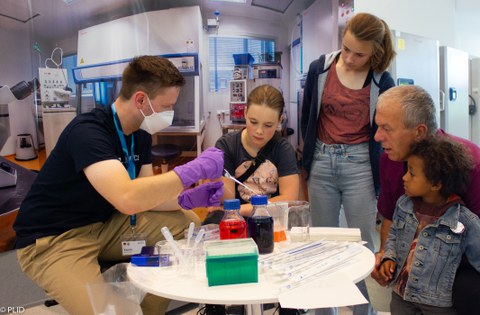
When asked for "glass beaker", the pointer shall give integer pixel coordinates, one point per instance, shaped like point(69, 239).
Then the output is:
point(279, 212)
point(299, 219)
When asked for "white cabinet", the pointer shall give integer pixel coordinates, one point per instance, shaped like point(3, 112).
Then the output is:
point(54, 121)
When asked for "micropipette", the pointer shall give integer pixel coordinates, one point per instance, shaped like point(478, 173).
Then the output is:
point(229, 176)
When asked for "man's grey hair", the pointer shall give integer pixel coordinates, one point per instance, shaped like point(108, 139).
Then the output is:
point(418, 106)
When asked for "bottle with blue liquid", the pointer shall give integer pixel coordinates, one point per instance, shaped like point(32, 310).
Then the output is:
point(260, 225)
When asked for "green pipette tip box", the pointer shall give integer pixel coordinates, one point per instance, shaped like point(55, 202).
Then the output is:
point(231, 261)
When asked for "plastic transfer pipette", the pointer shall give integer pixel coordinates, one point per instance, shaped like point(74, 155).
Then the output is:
point(323, 268)
point(191, 252)
point(191, 227)
point(229, 176)
point(292, 284)
point(198, 238)
point(169, 237)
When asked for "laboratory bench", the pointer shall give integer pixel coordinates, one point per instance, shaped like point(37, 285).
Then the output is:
point(34, 164)
point(231, 126)
point(228, 125)
point(10, 199)
point(180, 136)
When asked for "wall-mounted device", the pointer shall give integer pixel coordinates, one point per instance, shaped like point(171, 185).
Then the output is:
point(405, 81)
point(213, 24)
point(452, 94)
point(8, 175)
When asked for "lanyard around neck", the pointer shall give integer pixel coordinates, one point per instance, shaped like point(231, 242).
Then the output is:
point(129, 156)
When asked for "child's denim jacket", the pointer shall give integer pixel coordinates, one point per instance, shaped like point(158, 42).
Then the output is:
point(438, 252)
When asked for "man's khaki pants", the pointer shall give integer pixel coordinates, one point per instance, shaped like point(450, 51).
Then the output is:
point(64, 264)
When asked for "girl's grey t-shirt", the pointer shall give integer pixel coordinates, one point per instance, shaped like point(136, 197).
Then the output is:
point(279, 162)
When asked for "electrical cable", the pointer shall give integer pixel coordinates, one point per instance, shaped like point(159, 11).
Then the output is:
point(51, 59)
point(292, 61)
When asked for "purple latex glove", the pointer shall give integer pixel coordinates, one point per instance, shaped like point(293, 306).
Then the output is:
point(205, 195)
point(208, 165)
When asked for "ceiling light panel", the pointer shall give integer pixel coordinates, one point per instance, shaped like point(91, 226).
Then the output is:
point(274, 5)
point(233, 1)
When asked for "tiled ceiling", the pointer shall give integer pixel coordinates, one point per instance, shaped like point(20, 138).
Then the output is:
point(55, 20)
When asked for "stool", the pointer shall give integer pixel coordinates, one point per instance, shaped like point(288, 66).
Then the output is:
point(163, 153)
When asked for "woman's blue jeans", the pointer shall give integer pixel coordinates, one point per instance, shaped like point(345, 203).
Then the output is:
point(341, 174)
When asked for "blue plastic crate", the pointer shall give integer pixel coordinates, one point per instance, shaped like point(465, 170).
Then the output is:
point(243, 59)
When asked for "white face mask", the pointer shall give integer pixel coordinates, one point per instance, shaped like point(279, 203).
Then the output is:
point(156, 121)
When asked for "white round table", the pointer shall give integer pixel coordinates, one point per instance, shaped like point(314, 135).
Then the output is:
point(193, 287)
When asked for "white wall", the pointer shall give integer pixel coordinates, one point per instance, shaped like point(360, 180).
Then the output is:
point(319, 30)
point(429, 18)
point(467, 26)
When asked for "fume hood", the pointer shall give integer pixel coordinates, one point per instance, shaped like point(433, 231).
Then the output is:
point(104, 50)
point(188, 109)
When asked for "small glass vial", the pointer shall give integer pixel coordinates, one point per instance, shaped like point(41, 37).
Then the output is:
point(260, 225)
point(233, 225)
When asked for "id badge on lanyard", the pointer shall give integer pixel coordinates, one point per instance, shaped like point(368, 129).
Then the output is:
point(131, 243)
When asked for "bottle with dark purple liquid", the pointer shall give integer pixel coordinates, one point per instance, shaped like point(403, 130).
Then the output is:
point(260, 225)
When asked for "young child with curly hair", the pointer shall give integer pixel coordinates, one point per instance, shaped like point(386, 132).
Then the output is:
point(431, 229)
